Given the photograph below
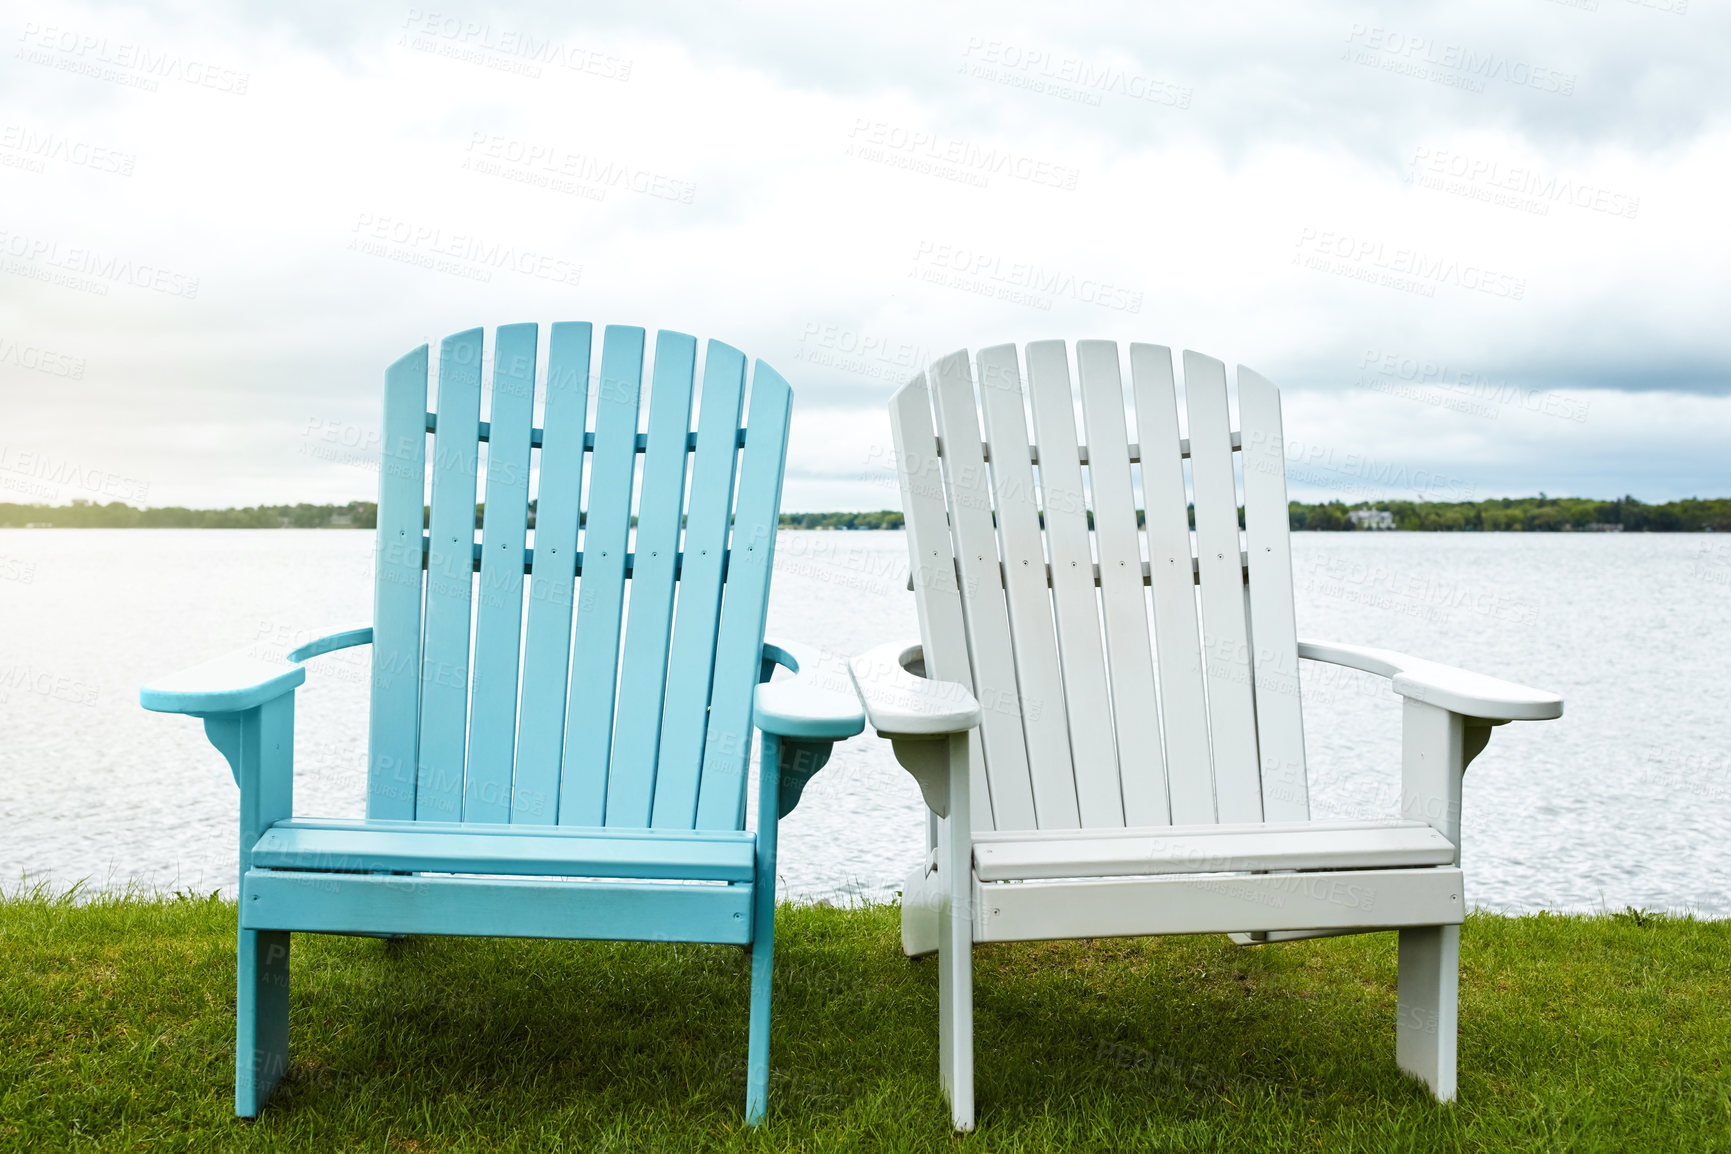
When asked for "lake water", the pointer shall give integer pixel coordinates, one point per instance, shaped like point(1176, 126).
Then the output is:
point(1626, 801)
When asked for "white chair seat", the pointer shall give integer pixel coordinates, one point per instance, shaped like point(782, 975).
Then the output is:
point(1196, 849)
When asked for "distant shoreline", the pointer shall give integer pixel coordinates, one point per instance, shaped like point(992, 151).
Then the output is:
point(1539, 514)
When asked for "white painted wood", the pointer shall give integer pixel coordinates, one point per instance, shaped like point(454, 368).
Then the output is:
point(1122, 575)
point(1045, 722)
point(1469, 694)
point(1172, 579)
point(956, 945)
point(1174, 850)
point(1003, 701)
point(1427, 1006)
point(1225, 632)
point(1187, 904)
point(898, 702)
point(1432, 760)
point(1076, 607)
point(920, 898)
point(1273, 629)
point(932, 568)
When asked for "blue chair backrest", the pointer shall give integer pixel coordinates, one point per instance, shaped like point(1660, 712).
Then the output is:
point(610, 701)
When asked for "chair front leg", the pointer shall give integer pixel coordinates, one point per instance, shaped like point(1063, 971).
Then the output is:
point(763, 930)
point(1435, 748)
point(261, 1018)
point(956, 942)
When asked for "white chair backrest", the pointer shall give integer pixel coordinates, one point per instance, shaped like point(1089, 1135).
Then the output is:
point(1033, 576)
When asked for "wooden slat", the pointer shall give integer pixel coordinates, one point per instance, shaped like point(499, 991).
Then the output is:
point(648, 628)
point(475, 851)
point(1177, 640)
point(1129, 646)
point(547, 634)
point(685, 712)
point(600, 596)
point(493, 907)
point(395, 708)
point(932, 570)
point(1273, 633)
point(1220, 849)
point(1226, 649)
point(1186, 904)
point(499, 616)
point(1045, 718)
point(968, 496)
point(1075, 606)
point(744, 603)
point(451, 529)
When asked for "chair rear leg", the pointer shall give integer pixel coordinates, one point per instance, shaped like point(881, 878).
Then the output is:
point(261, 1018)
point(1426, 1021)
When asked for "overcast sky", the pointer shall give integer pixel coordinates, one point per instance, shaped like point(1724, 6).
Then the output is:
point(1481, 247)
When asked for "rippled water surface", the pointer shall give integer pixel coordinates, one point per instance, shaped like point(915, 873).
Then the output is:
point(1625, 801)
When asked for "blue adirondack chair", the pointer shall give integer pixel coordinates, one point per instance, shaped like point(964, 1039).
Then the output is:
point(581, 772)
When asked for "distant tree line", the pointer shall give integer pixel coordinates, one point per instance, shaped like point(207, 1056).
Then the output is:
point(117, 515)
point(1539, 514)
point(882, 519)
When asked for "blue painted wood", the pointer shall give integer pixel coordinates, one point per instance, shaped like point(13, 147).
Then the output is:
point(739, 638)
point(451, 531)
point(384, 904)
point(763, 942)
point(488, 850)
point(600, 597)
point(411, 867)
point(396, 692)
point(499, 614)
point(685, 710)
point(649, 621)
point(547, 642)
point(259, 745)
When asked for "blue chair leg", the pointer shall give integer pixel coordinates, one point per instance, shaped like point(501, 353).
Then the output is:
point(763, 932)
point(261, 1018)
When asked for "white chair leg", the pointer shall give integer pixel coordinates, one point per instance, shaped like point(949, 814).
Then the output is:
point(920, 901)
point(1426, 1020)
point(956, 1003)
point(956, 944)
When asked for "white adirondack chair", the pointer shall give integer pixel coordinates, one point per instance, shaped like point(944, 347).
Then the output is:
point(1139, 766)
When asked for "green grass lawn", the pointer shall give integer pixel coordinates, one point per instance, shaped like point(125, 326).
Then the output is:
point(117, 1023)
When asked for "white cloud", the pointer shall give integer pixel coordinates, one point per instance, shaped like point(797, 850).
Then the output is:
point(832, 191)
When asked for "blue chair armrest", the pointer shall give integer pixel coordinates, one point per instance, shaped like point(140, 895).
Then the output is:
point(243, 679)
point(230, 684)
point(807, 706)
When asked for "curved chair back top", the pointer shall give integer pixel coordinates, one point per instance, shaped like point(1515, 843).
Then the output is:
point(621, 695)
point(1130, 672)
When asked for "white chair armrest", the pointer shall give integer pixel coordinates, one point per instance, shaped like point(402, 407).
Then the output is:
point(1456, 690)
point(900, 703)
